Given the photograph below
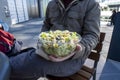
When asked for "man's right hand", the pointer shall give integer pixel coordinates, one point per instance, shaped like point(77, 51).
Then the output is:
point(59, 59)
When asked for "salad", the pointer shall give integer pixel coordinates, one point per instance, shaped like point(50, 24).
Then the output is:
point(59, 43)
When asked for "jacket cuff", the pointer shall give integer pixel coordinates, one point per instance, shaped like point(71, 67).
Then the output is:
point(80, 53)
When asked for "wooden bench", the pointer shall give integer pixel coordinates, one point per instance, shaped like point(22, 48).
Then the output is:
point(86, 72)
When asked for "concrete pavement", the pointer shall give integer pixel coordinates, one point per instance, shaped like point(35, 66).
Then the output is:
point(107, 70)
point(27, 32)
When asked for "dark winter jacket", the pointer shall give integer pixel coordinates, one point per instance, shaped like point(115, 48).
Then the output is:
point(81, 16)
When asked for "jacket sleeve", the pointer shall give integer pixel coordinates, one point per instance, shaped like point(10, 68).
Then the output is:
point(91, 31)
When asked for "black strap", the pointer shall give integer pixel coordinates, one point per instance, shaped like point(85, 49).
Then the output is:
point(22, 51)
point(5, 45)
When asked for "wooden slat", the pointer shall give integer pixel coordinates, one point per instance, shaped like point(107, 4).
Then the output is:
point(90, 70)
point(84, 74)
point(102, 36)
point(57, 78)
point(98, 48)
point(77, 77)
point(94, 56)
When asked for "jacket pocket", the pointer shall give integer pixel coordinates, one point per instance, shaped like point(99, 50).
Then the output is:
point(74, 15)
point(53, 13)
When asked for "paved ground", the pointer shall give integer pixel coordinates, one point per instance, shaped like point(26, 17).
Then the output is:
point(27, 32)
point(107, 70)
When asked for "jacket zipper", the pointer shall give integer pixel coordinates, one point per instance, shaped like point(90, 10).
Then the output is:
point(64, 11)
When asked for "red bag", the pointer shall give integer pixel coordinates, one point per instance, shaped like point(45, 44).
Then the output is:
point(6, 41)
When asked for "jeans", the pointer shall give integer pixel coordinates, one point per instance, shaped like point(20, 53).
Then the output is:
point(30, 66)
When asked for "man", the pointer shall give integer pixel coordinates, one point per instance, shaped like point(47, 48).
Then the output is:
point(112, 17)
point(81, 16)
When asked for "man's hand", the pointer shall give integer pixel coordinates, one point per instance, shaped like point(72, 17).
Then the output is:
point(52, 58)
point(80, 49)
point(59, 59)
